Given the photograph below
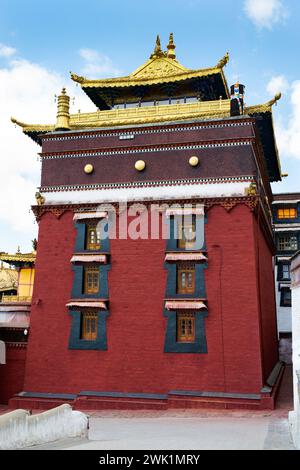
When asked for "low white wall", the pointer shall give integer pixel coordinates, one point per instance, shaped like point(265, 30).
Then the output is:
point(294, 416)
point(19, 429)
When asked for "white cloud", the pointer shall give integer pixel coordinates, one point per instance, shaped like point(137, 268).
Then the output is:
point(277, 84)
point(6, 51)
point(265, 13)
point(26, 92)
point(287, 126)
point(97, 65)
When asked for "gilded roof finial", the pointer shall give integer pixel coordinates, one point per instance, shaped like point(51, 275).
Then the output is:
point(157, 50)
point(171, 48)
point(223, 61)
point(63, 111)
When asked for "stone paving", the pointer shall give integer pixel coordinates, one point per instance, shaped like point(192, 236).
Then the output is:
point(189, 429)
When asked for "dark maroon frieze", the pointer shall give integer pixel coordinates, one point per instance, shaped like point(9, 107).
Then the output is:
point(161, 165)
point(149, 136)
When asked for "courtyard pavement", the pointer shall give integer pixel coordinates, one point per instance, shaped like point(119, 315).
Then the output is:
point(189, 429)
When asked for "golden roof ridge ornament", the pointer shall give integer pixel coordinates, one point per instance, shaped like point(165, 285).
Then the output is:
point(77, 78)
point(275, 99)
point(266, 107)
point(157, 53)
point(63, 111)
point(224, 61)
point(171, 48)
point(18, 123)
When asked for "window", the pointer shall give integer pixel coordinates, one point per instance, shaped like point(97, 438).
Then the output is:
point(91, 280)
point(287, 243)
point(286, 297)
point(187, 234)
point(92, 238)
point(185, 327)
point(287, 213)
point(186, 280)
point(89, 326)
point(285, 273)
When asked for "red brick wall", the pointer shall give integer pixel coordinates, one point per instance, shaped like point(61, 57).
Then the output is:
point(135, 361)
point(12, 373)
point(267, 301)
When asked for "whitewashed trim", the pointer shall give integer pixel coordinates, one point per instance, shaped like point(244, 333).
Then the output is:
point(88, 258)
point(90, 215)
point(86, 303)
point(286, 202)
point(184, 191)
point(282, 226)
point(185, 305)
point(186, 211)
point(185, 257)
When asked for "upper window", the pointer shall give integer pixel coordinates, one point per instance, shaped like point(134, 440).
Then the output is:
point(91, 280)
point(187, 234)
point(186, 280)
point(287, 243)
point(185, 327)
point(285, 272)
point(92, 238)
point(287, 213)
point(89, 326)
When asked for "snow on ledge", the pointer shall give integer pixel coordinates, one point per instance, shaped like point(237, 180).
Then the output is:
point(18, 429)
point(184, 191)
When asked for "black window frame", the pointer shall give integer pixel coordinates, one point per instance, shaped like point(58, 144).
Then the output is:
point(283, 292)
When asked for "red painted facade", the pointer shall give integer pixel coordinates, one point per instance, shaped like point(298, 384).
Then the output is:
point(131, 332)
point(241, 350)
point(12, 373)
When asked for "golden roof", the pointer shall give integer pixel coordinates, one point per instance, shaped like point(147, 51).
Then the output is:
point(161, 67)
point(18, 257)
point(154, 71)
point(144, 115)
point(8, 279)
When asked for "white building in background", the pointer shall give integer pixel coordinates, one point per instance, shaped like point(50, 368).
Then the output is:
point(294, 416)
point(286, 224)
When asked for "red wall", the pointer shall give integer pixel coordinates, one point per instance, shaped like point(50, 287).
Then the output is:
point(135, 361)
point(12, 373)
point(267, 301)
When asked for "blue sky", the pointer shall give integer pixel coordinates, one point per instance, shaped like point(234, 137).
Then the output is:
point(40, 42)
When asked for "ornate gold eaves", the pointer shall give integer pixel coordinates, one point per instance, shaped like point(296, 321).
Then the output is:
point(153, 72)
point(263, 108)
point(20, 257)
point(148, 114)
point(33, 127)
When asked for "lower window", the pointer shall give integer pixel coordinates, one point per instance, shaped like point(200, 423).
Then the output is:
point(185, 327)
point(89, 326)
point(286, 297)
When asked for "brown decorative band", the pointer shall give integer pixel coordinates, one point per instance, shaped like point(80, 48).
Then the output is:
point(143, 184)
point(144, 131)
point(146, 149)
